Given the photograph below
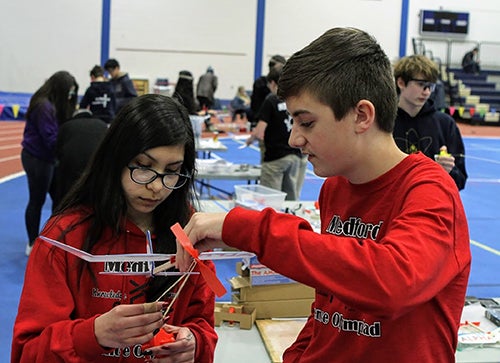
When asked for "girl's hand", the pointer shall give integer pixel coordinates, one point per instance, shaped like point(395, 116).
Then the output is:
point(128, 325)
point(182, 350)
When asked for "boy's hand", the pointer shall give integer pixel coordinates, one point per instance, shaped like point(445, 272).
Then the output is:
point(205, 233)
point(445, 159)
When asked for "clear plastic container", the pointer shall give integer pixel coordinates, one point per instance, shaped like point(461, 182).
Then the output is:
point(255, 196)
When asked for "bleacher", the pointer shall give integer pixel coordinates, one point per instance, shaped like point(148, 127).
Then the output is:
point(473, 98)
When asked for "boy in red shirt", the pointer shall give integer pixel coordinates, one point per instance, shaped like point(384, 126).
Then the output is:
point(391, 264)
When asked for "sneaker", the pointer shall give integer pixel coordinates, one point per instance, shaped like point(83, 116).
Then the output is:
point(28, 249)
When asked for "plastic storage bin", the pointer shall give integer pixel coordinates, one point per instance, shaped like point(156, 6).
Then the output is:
point(255, 196)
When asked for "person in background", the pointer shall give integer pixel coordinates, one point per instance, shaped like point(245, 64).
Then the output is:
point(240, 104)
point(393, 253)
point(140, 180)
point(281, 162)
point(205, 90)
point(470, 61)
point(99, 98)
point(260, 88)
point(419, 125)
point(184, 92)
point(52, 104)
point(77, 140)
point(122, 84)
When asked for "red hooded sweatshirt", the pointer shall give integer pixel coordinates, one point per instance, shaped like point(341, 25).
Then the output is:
point(390, 266)
point(55, 321)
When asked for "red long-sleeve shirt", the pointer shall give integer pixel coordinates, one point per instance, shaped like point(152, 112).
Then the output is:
point(390, 266)
point(55, 321)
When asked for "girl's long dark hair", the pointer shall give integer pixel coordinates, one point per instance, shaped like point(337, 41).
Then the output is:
point(144, 123)
point(56, 90)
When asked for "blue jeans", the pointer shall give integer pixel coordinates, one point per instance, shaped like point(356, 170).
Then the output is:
point(39, 174)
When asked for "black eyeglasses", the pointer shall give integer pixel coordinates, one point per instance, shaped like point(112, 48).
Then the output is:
point(422, 83)
point(142, 175)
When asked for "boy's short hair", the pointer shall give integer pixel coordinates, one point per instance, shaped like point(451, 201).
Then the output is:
point(97, 71)
point(340, 68)
point(414, 66)
point(111, 64)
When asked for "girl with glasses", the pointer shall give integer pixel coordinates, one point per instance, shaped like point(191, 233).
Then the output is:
point(138, 181)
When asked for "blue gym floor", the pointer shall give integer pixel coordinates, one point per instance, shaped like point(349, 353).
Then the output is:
point(480, 197)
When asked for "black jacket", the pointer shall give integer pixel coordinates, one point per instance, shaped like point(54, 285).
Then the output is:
point(99, 98)
point(427, 132)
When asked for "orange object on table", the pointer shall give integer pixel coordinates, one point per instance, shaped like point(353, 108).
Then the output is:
point(231, 310)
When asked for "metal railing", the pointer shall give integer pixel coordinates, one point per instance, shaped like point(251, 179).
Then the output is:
point(452, 50)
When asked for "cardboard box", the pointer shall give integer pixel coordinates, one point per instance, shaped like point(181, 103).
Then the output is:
point(244, 315)
point(141, 86)
point(273, 301)
point(248, 293)
point(259, 274)
point(297, 308)
point(262, 275)
point(286, 299)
